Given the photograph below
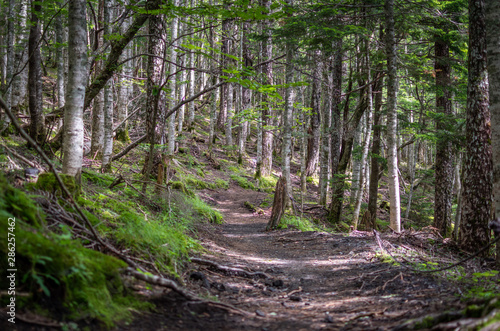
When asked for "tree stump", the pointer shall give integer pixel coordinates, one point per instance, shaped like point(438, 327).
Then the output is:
point(279, 204)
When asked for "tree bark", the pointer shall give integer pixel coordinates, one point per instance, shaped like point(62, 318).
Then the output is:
point(37, 125)
point(267, 107)
point(75, 92)
point(493, 48)
point(395, 207)
point(314, 130)
point(478, 166)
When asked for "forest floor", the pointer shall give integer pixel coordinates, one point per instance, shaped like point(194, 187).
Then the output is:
point(302, 280)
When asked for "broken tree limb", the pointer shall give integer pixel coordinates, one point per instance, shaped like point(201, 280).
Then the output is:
point(237, 271)
point(129, 147)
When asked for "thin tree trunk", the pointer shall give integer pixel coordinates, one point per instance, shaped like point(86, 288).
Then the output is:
point(108, 100)
point(124, 90)
point(75, 92)
point(267, 107)
point(173, 59)
point(395, 207)
point(314, 130)
point(37, 125)
point(325, 136)
point(375, 167)
point(60, 39)
point(458, 189)
point(20, 83)
point(366, 142)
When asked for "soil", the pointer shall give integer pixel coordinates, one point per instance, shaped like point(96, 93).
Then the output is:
point(301, 280)
point(317, 280)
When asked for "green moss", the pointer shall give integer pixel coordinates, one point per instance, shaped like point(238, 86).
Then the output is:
point(268, 183)
point(47, 182)
point(123, 136)
point(221, 183)
point(178, 185)
point(298, 223)
point(243, 182)
point(205, 211)
point(62, 276)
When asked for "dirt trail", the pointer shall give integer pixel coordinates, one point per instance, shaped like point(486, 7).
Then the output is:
point(317, 280)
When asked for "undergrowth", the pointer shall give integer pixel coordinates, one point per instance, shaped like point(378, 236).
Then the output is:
point(59, 274)
point(297, 222)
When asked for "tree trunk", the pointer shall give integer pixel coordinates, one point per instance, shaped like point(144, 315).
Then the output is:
point(287, 121)
point(267, 107)
point(108, 100)
point(37, 125)
point(314, 130)
point(155, 79)
point(366, 142)
point(20, 83)
point(325, 136)
point(124, 90)
point(395, 208)
point(60, 40)
point(478, 167)
point(493, 47)
point(375, 153)
point(75, 92)
point(173, 80)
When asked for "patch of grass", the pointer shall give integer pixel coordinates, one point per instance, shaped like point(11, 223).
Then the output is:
point(221, 183)
point(60, 275)
point(297, 222)
point(268, 184)
point(243, 182)
point(204, 210)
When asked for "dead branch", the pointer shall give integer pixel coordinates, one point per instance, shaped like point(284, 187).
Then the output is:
point(157, 280)
point(22, 158)
point(230, 269)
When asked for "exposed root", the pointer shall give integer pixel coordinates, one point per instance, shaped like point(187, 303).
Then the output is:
point(230, 270)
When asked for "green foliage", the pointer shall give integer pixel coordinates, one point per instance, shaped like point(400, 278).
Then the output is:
point(268, 183)
point(57, 271)
point(47, 182)
point(243, 182)
point(205, 211)
point(297, 222)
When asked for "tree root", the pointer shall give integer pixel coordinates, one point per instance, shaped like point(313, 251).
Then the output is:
point(191, 297)
point(230, 270)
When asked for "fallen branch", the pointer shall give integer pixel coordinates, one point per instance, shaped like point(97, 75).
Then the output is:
point(129, 147)
point(230, 269)
point(157, 280)
point(22, 158)
point(160, 281)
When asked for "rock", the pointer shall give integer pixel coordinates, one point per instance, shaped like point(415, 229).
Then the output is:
point(260, 313)
point(278, 283)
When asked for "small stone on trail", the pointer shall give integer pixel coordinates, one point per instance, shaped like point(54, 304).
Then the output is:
point(260, 313)
point(278, 283)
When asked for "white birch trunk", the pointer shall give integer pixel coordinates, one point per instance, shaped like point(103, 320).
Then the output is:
point(108, 99)
point(77, 80)
point(173, 81)
point(395, 208)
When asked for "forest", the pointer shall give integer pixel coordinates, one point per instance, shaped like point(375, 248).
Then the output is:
point(250, 164)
